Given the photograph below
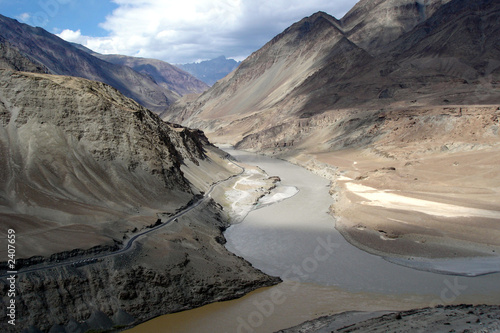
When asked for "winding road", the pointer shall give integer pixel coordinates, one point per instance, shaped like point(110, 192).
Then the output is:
point(130, 242)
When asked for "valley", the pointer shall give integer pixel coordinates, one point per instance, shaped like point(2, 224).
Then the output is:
point(344, 176)
point(296, 239)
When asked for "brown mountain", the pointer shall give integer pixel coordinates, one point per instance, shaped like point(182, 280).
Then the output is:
point(163, 73)
point(270, 74)
point(62, 58)
point(11, 58)
point(381, 53)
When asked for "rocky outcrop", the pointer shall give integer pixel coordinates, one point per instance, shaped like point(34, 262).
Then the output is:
point(453, 318)
point(75, 151)
point(180, 267)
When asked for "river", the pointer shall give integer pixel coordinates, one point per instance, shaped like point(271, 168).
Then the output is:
point(296, 239)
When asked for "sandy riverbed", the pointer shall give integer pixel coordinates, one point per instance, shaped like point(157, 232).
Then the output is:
point(428, 213)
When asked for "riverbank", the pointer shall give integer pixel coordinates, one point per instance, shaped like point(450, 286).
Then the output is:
point(458, 318)
point(252, 189)
point(428, 213)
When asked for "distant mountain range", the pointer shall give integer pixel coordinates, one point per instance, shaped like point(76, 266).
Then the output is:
point(211, 71)
point(163, 73)
point(382, 54)
point(154, 85)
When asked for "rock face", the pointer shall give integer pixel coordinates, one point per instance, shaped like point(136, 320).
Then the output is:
point(84, 168)
point(62, 58)
point(374, 24)
point(382, 54)
point(176, 269)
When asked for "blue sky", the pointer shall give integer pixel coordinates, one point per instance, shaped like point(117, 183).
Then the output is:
point(57, 15)
point(176, 31)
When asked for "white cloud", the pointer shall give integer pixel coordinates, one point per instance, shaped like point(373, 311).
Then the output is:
point(24, 17)
point(72, 36)
point(189, 30)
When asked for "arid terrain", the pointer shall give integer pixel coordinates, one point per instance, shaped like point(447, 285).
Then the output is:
point(120, 200)
point(462, 318)
point(398, 105)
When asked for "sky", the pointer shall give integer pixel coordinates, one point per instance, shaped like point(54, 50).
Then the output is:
point(176, 31)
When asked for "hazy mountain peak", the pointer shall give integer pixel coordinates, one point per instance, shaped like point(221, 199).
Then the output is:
point(211, 71)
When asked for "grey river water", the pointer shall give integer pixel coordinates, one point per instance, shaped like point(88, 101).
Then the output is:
point(296, 239)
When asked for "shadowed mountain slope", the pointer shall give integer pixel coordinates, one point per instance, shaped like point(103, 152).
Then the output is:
point(373, 24)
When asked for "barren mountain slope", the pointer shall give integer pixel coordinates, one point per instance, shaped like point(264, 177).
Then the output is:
point(451, 58)
point(11, 58)
point(163, 73)
point(61, 57)
point(267, 76)
point(371, 24)
point(76, 152)
point(85, 168)
point(316, 66)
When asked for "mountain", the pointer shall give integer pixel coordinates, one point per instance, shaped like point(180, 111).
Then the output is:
point(268, 75)
point(85, 169)
point(62, 58)
point(163, 73)
point(382, 54)
point(76, 151)
point(211, 71)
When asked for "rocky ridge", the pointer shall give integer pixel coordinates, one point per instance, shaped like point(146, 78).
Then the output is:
point(181, 267)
